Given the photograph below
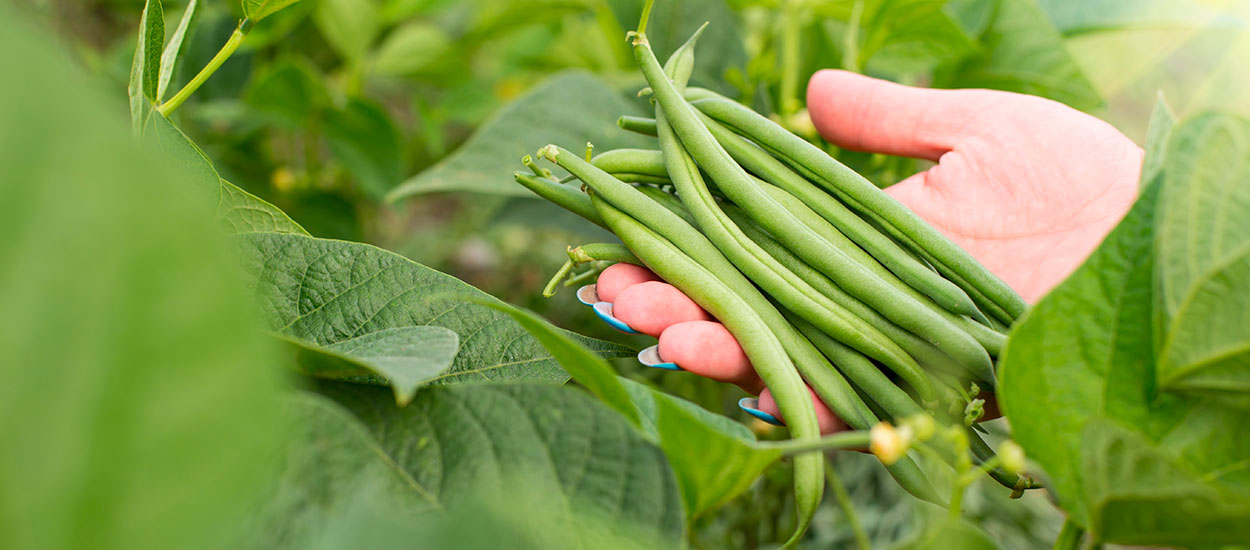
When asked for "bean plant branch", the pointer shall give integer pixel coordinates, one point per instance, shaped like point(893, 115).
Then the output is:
point(236, 40)
point(857, 439)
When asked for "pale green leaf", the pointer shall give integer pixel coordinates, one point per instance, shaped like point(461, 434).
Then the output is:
point(350, 26)
point(169, 57)
point(138, 391)
point(260, 9)
point(909, 36)
point(568, 109)
point(1022, 52)
point(145, 69)
point(412, 47)
point(1082, 16)
point(328, 292)
point(363, 138)
point(1129, 461)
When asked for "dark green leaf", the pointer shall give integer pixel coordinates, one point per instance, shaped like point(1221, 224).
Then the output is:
point(1129, 461)
point(403, 357)
point(260, 9)
point(170, 55)
point(363, 138)
point(515, 441)
point(138, 392)
point(146, 67)
point(568, 109)
point(1022, 52)
point(328, 292)
point(291, 93)
point(909, 36)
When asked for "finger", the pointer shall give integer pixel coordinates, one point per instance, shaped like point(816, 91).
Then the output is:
point(652, 306)
point(707, 349)
point(867, 114)
point(618, 277)
point(828, 421)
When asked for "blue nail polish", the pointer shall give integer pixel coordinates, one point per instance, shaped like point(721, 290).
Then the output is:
point(751, 406)
point(604, 311)
point(588, 295)
point(650, 357)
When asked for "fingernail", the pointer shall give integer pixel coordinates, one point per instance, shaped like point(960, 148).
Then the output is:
point(650, 357)
point(751, 404)
point(604, 311)
point(588, 295)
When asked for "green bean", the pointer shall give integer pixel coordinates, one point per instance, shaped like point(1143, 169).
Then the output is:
point(673, 204)
point(761, 346)
point(602, 252)
point(808, 244)
point(637, 125)
point(859, 370)
point(566, 196)
point(906, 268)
point(924, 352)
point(634, 161)
point(856, 191)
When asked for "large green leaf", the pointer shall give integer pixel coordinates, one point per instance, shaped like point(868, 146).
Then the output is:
point(238, 210)
point(145, 69)
point(568, 109)
point(515, 440)
point(328, 292)
point(904, 36)
point(350, 26)
point(1022, 52)
point(1132, 462)
point(1079, 16)
point(687, 433)
point(406, 358)
point(331, 464)
point(1204, 258)
point(411, 48)
point(138, 394)
point(260, 9)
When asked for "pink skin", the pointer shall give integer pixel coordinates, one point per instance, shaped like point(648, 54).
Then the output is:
point(618, 277)
point(650, 307)
point(1026, 185)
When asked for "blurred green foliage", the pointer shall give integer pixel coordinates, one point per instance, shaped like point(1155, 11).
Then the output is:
point(332, 105)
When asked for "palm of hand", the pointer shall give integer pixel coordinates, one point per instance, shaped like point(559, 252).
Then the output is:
point(1028, 186)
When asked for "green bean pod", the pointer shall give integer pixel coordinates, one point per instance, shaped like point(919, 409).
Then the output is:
point(602, 252)
point(808, 244)
point(761, 346)
point(856, 191)
point(631, 161)
point(566, 196)
point(637, 125)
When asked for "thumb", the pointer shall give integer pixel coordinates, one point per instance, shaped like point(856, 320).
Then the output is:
point(867, 114)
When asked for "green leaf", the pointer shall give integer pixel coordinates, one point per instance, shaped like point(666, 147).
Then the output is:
point(1082, 16)
point(910, 36)
point(327, 292)
point(1022, 52)
point(138, 390)
point(1158, 135)
point(406, 358)
point(350, 26)
point(290, 92)
point(145, 69)
point(170, 55)
point(260, 9)
point(1204, 250)
point(410, 48)
point(567, 109)
point(330, 465)
point(954, 534)
point(687, 433)
point(238, 210)
point(363, 138)
point(673, 22)
point(519, 441)
point(1129, 462)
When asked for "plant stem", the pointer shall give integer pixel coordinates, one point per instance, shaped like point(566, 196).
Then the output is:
point(858, 439)
point(1069, 536)
point(848, 508)
point(646, 15)
point(790, 59)
point(550, 289)
point(236, 39)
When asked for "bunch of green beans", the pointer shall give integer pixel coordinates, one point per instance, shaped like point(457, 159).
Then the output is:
point(824, 280)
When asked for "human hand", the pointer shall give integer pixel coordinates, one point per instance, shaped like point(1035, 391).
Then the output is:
point(1026, 185)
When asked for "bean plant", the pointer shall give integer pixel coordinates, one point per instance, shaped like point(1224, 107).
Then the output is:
point(302, 299)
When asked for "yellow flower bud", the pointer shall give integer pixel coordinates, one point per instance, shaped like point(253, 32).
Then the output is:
point(1011, 456)
point(888, 443)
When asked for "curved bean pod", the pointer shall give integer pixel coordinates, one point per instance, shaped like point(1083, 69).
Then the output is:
point(567, 196)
